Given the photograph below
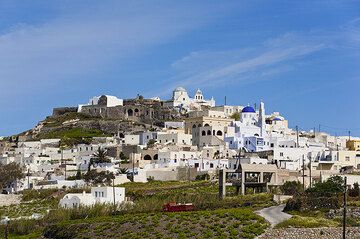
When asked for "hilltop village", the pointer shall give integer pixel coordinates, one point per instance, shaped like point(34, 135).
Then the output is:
point(177, 139)
point(115, 160)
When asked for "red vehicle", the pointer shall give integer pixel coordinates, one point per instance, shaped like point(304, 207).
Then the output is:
point(178, 207)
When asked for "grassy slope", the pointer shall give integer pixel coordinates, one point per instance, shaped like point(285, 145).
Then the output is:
point(230, 215)
point(313, 219)
point(221, 223)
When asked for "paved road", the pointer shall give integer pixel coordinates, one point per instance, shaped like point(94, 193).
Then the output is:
point(274, 214)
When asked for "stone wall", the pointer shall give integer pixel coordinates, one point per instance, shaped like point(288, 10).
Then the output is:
point(63, 110)
point(145, 112)
point(311, 233)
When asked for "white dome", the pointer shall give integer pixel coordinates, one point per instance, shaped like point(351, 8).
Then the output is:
point(179, 89)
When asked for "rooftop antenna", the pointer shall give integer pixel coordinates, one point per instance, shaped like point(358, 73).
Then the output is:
point(255, 106)
point(225, 99)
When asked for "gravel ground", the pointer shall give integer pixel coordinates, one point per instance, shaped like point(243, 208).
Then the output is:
point(6, 200)
point(311, 233)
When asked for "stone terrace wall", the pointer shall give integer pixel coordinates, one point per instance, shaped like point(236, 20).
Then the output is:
point(63, 110)
point(311, 233)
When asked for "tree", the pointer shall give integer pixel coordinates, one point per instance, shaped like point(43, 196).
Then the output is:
point(95, 177)
point(235, 116)
point(99, 157)
point(332, 185)
point(78, 175)
point(355, 191)
point(123, 170)
point(291, 187)
point(10, 173)
point(151, 143)
point(205, 176)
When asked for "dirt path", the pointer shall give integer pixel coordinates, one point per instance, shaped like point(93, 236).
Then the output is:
point(274, 214)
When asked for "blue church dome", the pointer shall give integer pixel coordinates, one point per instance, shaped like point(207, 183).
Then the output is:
point(248, 109)
point(277, 119)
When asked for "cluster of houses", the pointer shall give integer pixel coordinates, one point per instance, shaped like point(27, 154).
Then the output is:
point(209, 139)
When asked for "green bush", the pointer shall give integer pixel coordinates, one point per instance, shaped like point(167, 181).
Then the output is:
point(291, 187)
point(205, 176)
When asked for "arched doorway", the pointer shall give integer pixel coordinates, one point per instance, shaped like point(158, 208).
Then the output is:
point(147, 157)
point(130, 112)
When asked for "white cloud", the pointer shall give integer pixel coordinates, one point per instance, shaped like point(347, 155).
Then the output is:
point(242, 66)
point(262, 62)
point(81, 43)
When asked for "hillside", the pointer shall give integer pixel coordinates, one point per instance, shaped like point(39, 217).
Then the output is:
point(77, 128)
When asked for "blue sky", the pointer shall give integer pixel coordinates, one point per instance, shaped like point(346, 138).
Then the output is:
point(302, 58)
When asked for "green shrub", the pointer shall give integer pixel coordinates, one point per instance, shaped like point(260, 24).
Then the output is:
point(291, 187)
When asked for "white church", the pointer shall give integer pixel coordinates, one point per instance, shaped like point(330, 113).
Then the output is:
point(256, 131)
point(183, 101)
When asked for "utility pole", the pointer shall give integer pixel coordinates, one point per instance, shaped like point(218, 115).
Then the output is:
point(225, 99)
point(314, 133)
point(28, 177)
point(113, 184)
point(310, 169)
point(297, 136)
point(133, 168)
point(303, 172)
point(319, 128)
point(344, 214)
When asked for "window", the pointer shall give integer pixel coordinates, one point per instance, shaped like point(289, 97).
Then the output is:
point(211, 165)
point(281, 154)
point(347, 158)
point(96, 194)
point(196, 165)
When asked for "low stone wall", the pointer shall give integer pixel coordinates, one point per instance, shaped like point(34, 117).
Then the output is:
point(311, 233)
point(10, 199)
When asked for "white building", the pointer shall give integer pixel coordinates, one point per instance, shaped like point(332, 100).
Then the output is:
point(183, 101)
point(104, 100)
point(101, 195)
